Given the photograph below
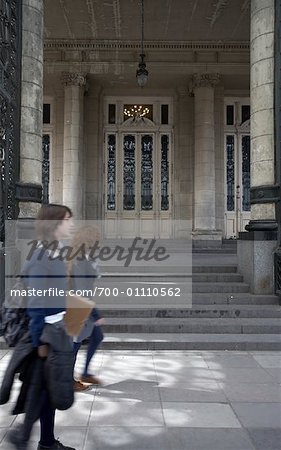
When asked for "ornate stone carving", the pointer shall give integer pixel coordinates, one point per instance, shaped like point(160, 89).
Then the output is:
point(203, 80)
point(73, 79)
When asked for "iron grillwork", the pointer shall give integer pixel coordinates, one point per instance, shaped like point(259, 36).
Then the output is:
point(45, 168)
point(129, 174)
point(111, 172)
point(10, 82)
point(146, 173)
point(277, 84)
point(164, 172)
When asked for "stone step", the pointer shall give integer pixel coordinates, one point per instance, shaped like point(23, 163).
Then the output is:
point(231, 298)
point(168, 277)
point(192, 325)
point(202, 311)
point(189, 341)
point(198, 299)
point(185, 284)
point(220, 250)
point(207, 287)
point(158, 270)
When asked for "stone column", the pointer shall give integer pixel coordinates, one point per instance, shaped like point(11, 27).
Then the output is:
point(204, 161)
point(263, 189)
point(73, 191)
point(29, 188)
point(256, 248)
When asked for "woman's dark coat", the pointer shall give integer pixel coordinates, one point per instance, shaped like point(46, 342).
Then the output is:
point(54, 373)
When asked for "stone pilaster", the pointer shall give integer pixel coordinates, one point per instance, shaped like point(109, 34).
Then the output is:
point(74, 84)
point(204, 159)
point(263, 189)
point(29, 188)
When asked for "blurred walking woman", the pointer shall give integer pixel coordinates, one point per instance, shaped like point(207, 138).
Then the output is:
point(46, 358)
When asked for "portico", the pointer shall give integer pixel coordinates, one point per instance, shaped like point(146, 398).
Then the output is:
point(190, 77)
point(203, 152)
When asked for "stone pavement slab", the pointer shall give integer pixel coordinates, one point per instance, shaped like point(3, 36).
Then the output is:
point(241, 375)
point(266, 438)
point(129, 389)
point(202, 415)
point(127, 413)
point(137, 438)
point(275, 374)
point(246, 392)
point(194, 391)
point(268, 361)
point(261, 415)
point(170, 400)
point(230, 360)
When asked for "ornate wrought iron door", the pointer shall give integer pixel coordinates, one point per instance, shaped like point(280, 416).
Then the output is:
point(10, 82)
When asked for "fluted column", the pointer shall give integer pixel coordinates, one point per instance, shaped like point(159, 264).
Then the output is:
point(74, 84)
point(29, 188)
point(263, 189)
point(204, 156)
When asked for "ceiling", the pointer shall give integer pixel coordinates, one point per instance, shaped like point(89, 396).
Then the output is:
point(164, 20)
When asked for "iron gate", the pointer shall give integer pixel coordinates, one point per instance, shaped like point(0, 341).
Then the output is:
point(277, 83)
point(10, 93)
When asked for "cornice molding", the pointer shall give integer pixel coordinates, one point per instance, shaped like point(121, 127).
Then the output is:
point(81, 44)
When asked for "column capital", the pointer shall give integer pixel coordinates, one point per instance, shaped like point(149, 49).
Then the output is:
point(73, 79)
point(203, 80)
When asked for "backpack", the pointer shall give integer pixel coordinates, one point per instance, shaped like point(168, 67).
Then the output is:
point(15, 321)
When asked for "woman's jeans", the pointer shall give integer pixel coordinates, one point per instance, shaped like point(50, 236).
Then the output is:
point(95, 340)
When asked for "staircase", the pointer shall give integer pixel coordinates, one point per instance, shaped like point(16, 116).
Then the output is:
point(223, 314)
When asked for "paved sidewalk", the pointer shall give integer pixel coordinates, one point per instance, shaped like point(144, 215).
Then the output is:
point(171, 400)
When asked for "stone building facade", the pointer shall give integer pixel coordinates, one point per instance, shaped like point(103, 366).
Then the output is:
point(204, 151)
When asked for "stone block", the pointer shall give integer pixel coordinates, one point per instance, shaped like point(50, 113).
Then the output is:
point(263, 211)
point(262, 172)
point(31, 171)
point(32, 71)
point(31, 45)
point(262, 72)
point(262, 122)
point(262, 97)
point(204, 130)
point(256, 262)
point(31, 120)
point(262, 22)
point(206, 170)
point(262, 148)
point(31, 145)
point(36, 4)
point(257, 5)
point(32, 95)
point(262, 47)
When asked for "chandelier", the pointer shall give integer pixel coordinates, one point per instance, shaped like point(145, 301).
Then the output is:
point(142, 72)
point(136, 111)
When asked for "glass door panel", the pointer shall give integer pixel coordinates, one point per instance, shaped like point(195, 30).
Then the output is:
point(129, 172)
point(146, 172)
